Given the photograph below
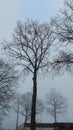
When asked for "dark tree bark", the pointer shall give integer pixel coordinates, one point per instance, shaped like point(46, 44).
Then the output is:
point(34, 97)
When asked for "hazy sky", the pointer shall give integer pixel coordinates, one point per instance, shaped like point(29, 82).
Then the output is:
point(42, 10)
point(13, 10)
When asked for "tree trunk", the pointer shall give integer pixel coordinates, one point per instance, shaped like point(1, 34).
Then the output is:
point(55, 118)
point(17, 117)
point(34, 96)
point(26, 119)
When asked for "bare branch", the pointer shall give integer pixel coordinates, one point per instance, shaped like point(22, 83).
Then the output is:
point(7, 86)
point(56, 104)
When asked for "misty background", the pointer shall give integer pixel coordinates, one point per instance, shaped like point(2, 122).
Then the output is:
point(10, 12)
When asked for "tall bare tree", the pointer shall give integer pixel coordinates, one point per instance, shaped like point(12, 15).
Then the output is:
point(56, 104)
point(7, 86)
point(30, 48)
point(26, 104)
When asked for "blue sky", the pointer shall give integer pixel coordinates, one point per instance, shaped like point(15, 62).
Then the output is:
point(42, 10)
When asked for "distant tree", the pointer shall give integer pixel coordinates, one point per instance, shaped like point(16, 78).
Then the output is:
point(56, 104)
point(7, 86)
point(16, 106)
point(63, 30)
point(26, 104)
point(30, 48)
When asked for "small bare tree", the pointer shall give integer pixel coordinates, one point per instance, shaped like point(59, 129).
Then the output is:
point(56, 104)
point(16, 106)
point(30, 48)
point(7, 87)
point(26, 106)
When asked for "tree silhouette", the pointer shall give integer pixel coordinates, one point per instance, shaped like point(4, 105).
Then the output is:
point(7, 86)
point(16, 106)
point(26, 103)
point(63, 31)
point(56, 104)
point(30, 47)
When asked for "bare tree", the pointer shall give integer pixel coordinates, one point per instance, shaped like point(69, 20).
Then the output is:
point(16, 105)
point(64, 23)
point(7, 86)
point(63, 30)
point(26, 104)
point(56, 104)
point(30, 47)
